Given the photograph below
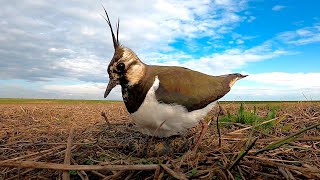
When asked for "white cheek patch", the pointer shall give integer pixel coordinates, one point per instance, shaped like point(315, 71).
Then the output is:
point(135, 73)
point(134, 68)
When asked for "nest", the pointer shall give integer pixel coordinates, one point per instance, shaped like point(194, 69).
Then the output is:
point(99, 141)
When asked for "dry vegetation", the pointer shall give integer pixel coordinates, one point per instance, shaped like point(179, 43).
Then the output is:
point(37, 142)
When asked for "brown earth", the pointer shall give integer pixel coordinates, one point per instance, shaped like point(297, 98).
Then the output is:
point(38, 132)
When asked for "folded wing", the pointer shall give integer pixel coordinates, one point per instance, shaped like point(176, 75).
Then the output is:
point(192, 89)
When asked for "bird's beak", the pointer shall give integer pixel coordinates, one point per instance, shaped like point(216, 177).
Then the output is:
point(112, 83)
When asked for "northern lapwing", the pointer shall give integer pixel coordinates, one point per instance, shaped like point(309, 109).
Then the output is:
point(163, 100)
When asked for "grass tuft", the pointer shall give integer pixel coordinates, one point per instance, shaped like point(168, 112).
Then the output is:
point(250, 117)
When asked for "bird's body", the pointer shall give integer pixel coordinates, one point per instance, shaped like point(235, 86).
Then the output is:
point(156, 118)
point(169, 100)
point(163, 100)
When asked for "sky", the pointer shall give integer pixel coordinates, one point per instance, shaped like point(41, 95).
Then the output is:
point(61, 49)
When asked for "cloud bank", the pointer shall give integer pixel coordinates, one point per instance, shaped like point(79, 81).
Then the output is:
point(53, 49)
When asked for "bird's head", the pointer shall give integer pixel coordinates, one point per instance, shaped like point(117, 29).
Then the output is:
point(125, 67)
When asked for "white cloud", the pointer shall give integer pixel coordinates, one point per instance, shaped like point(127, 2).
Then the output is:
point(60, 50)
point(43, 34)
point(83, 66)
point(278, 8)
point(219, 63)
point(69, 41)
point(303, 36)
point(174, 19)
point(251, 19)
point(240, 41)
point(277, 86)
point(88, 31)
point(269, 93)
point(83, 91)
point(87, 68)
point(288, 80)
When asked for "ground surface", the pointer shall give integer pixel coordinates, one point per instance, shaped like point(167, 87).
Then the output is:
point(37, 131)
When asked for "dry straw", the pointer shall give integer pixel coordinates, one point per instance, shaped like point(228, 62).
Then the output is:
point(36, 142)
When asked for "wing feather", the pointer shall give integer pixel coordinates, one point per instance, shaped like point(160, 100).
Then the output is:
point(191, 89)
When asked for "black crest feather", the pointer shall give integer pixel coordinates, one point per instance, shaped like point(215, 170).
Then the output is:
point(115, 39)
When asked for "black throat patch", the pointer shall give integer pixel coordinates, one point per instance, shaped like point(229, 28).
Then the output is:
point(133, 96)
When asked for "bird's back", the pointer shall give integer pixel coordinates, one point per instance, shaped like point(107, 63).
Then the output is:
point(191, 89)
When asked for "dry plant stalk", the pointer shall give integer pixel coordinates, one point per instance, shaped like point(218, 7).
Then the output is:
point(41, 153)
point(217, 124)
point(104, 114)
point(285, 140)
point(172, 173)
point(67, 158)
point(67, 167)
point(83, 175)
point(250, 127)
point(243, 153)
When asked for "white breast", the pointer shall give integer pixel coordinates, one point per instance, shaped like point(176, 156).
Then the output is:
point(163, 120)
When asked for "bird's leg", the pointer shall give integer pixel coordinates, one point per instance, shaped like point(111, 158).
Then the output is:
point(204, 127)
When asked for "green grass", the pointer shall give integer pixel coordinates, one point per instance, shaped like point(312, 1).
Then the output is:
point(50, 101)
point(73, 172)
point(250, 117)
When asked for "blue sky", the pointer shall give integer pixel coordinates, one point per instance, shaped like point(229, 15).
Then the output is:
point(61, 49)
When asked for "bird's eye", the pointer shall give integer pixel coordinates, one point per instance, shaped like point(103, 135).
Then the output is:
point(121, 67)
